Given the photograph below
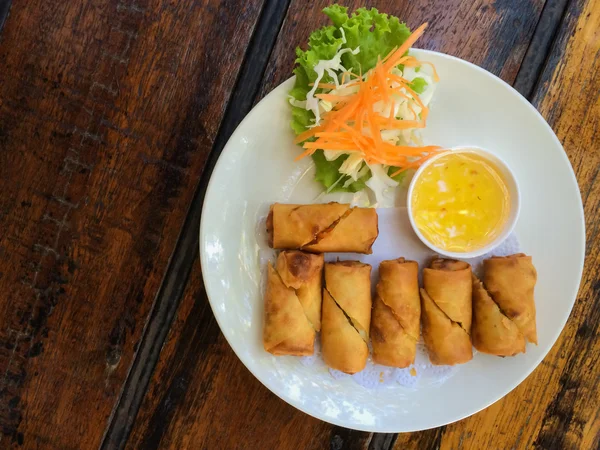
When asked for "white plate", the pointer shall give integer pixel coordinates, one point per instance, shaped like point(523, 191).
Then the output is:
point(470, 107)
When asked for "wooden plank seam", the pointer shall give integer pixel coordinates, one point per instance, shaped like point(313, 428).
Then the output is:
point(186, 250)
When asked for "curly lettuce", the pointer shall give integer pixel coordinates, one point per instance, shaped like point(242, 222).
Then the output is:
point(375, 34)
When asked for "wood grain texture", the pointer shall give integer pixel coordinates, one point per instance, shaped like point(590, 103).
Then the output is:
point(108, 111)
point(203, 397)
point(197, 374)
point(492, 34)
point(186, 250)
point(539, 47)
point(557, 407)
point(4, 9)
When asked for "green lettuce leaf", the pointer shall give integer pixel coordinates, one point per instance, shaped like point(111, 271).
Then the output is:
point(376, 34)
point(400, 177)
point(418, 85)
point(301, 119)
point(328, 173)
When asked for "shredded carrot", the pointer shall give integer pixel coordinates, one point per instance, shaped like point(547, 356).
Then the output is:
point(411, 61)
point(399, 53)
point(307, 134)
point(332, 98)
point(389, 54)
point(352, 124)
point(413, 164)
point(344, 77)
point(304, 154)
point(391, 118)
point(436, 77)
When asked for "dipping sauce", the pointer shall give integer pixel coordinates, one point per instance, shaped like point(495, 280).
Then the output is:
point(460, 202)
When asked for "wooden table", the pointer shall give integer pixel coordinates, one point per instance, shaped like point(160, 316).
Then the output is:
point(112, 115)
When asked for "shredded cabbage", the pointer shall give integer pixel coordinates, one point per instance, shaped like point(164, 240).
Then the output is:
point(354, 44)
point(329, 66)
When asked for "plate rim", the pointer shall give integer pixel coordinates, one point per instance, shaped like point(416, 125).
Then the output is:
point(504, 392)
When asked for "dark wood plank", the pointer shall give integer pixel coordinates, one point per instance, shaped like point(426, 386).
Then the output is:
point(186, 250)
point(539, 47)
point(494, 35)
point(207, 399)
point(557, 406)
point(4, 9)
point(108, 111)
point(197, 374)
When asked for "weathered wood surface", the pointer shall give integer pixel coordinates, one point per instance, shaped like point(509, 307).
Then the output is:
point(108, 111)
point(558, 406)
point(198, 376)
point(494, 35)
point(202, 396)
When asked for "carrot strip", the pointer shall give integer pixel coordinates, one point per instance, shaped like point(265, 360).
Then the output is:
point(304, 154)
point(352, 125)
point(389, 55)
point(391, 62)
point(436, 77)
point(333, 145)
point(307, 134)
point(332, 98)
point(413, 164)
point(391, 118)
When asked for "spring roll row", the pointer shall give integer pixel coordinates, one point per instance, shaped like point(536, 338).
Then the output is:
point(297, 305)
point(459, 311)
point(455, 309)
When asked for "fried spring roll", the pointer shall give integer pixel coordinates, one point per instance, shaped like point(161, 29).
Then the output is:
point(346, 315)
point(492, 332)
point(303, 272)
point(287, 330)
point(448, 283)
point(396, 313)
point(447, 342)
point(331, 227)
point(510, 281)
point(446, 311)
point(343, 348)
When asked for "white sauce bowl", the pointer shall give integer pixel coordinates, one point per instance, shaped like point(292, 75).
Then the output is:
point(511, 185)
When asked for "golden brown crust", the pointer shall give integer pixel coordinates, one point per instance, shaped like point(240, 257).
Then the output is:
point(492, 331)
point(349, 283)
point(447, 342)
point(511, 280)
point(296, 267)
point(446, 311)
point(296, 226)
point(396, 313)
point(303, 272)
point(398, 287)
point(355, 232)
point(449, 265)
point(342, 346)
point(270, 227)
point(392, 345)
point(346, 315)
point(331, 227)
point(448, 283)
point(286, 330)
